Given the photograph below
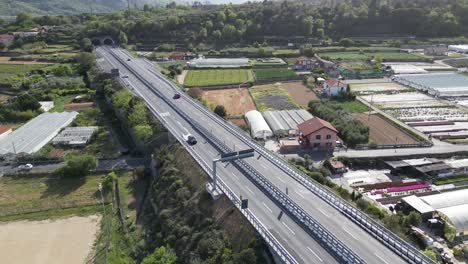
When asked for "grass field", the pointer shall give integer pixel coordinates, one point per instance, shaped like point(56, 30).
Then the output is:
point(344, 55)
point(272, 97)
point(217, 77)
point(270, 73)
point(39, 195)
point(353, 106)
point(452, 179)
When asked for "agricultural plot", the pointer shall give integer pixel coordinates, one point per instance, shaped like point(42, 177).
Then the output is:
point(13, 72)
point(383, 87)
point(344, 55)
point(236, 101)
point(272, 97)
point(300, 93)
point(403, 100)
point(217, 77)
point(272, 73)
point(59, 241)
point(383, 132)
point(429, 114)
point(357, 55)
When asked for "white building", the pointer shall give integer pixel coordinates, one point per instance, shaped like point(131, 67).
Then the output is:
point(459, 48)
point(218, 63)
point(334, 87)
point(46, 105)
point(258, 126)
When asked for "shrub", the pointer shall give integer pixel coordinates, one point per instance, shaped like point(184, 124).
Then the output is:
point(78, 166)
point(220, 110)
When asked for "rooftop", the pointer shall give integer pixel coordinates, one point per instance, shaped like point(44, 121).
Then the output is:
point(418, 204)
point(314, 124)
point(335, 82)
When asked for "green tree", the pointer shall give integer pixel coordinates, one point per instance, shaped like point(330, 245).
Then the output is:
point(161, 255)
point(23, 18)
point(414, 219)
point(122, 99)
point(229, 33)
point(123, 40)
point(138, 114)
point(346, 42)
point(86, 45)
point(449, 232)
point(220, 110)
point(78, 165)
point(430, 253)
point(86, 61)
point(308, 24)
point(143, 132)
point(62, 70)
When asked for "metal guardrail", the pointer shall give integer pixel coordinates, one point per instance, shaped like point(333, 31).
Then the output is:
point(313, 227)
point(274, 244)
point(388, 238)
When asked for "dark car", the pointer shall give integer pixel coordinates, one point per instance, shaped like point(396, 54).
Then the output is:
point(191, 140)
point(129, 59)
point(176, 96)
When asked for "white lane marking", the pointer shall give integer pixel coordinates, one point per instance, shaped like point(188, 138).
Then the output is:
point(323, 213)
point(299, 194)
point(350, 233)
point(288, 228)
point(381, 258)
point(263, 165)
point(281, 180)
point(182, 126)
point(248, 189)
point(266, 206)
point(235, 176)
point(315, 254)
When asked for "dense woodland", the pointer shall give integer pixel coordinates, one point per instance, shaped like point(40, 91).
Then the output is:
point(260, 21)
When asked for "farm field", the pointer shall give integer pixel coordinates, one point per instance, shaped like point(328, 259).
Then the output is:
point(356, 55)
point(236, 101)
point(376, 87)
point(382, 132)
point(353, 106)
point(403, 100)
point(270, 73)
point(300, 93)
point(272, 97)
point(57, 241)
point(10, 72)
point(429, 114)
point(217, 77)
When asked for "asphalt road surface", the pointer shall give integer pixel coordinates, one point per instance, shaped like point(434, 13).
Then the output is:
point(292, 236)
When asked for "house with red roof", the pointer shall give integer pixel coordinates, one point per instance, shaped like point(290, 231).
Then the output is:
point(334, 87)
point(317, 133)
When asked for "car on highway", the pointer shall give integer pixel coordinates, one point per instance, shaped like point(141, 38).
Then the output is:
point(190, 139)
point(124, 76)
point(176, 96)
point(129, 59)
point(25, 167)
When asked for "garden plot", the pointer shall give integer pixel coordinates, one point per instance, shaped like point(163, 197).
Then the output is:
point(403, 100)
point(428, 114)
point(378, 87)
point(457, 126)
point(236, 101)
point(272, 97)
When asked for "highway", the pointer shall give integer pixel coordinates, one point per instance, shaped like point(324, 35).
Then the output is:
point(292, 235)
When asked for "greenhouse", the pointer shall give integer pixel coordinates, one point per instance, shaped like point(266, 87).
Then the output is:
point(284, 123)
point(258, 126)
point(218, 63)
point(439, 84)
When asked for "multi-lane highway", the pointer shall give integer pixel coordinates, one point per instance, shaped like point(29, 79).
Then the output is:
point(311, 229)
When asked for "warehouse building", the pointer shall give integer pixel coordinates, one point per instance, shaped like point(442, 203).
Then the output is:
point(218, 63)
point(259, 128)
point(75, 136)
point(284, 123)
point(36, 133)
point(450, 206)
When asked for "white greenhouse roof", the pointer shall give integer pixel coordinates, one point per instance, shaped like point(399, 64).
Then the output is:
point(460, 48)
point(458, 164)
point(75, 135)
point(258, 126)
point(447, 199)
point(418, 204)
point(285, 122)
point(36, 133)
point(458, 216)
point(218, 63)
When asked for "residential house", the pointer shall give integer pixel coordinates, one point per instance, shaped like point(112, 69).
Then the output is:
point(6, 39)
point(317, 134)
point(306, 64)
point(334, 87)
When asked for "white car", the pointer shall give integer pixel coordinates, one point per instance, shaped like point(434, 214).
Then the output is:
point(25, 167)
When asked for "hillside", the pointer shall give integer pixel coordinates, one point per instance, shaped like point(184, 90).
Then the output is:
point(67, 7)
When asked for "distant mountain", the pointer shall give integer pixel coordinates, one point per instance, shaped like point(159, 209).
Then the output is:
point(68, 7)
